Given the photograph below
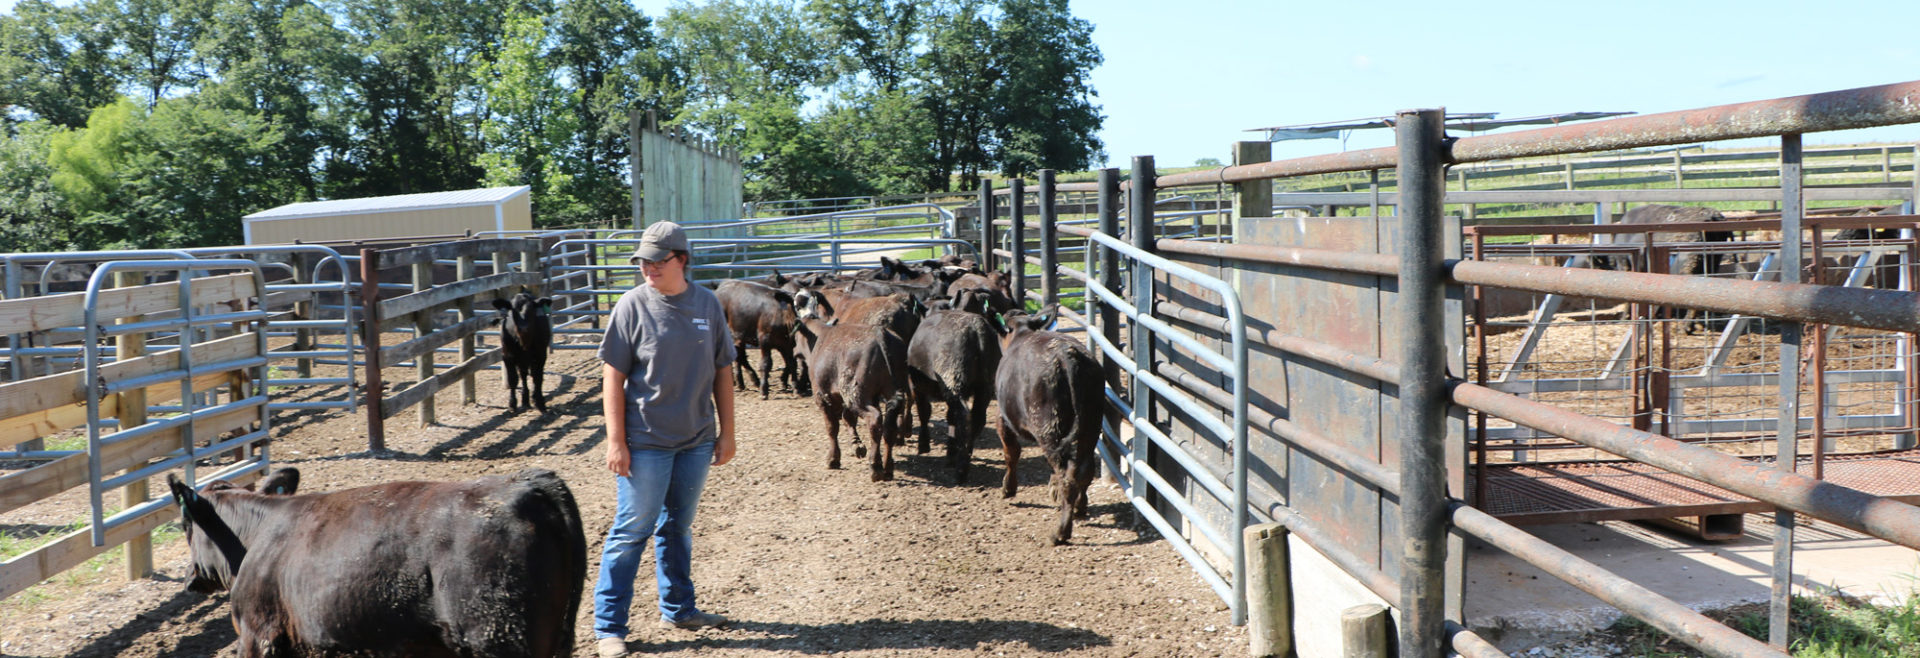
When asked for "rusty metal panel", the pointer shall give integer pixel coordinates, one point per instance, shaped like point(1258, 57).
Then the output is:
point(1340, 309)
point(1351, 311)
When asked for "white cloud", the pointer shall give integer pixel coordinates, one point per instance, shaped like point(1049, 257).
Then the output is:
point(1362, 63)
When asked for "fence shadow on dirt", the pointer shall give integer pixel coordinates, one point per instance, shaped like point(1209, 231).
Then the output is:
point(950, 634)
point(204, 616)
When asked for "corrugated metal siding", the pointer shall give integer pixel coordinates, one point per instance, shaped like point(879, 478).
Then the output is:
point(431, 200)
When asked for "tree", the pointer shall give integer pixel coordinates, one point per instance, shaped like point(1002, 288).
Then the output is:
point(530, 126)
point(33, 214)
point(156, 41)
point(607, 51)
point(1045, 116)
point(737, 54)
point(877, 37)
point(181, 176)
point(56, 61)
point(1207, 162)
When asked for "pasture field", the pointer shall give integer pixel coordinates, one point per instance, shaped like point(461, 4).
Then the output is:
point(806, 561)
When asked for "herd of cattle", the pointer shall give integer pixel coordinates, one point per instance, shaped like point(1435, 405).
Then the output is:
point(497, 566)
point(870, 347)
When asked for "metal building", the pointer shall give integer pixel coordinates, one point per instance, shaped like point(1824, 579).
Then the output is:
point(407, 215)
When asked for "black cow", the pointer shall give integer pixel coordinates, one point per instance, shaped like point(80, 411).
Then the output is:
point(1051, 393)
point(954, 357)
point(761, 316)
point(859, 376)
point(526, 334)
point(492, 567)
point(997, 284)
point(1691, 263)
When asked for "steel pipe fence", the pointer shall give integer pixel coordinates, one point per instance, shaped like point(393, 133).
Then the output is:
point(249, 444)
point(1886, 105)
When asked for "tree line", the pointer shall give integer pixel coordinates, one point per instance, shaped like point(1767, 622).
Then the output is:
point(159, 123)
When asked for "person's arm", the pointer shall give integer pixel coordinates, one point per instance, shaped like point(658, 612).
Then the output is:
point(723, 402)
point(613, 403)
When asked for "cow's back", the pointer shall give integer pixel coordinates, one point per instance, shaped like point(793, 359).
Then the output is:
point(1049, 385)
point(958, 349)
point(490, 567)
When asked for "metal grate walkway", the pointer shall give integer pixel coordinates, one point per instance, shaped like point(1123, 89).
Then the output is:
point(1575, 492)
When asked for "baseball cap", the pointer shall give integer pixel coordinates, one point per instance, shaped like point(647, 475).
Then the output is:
point(660, 241)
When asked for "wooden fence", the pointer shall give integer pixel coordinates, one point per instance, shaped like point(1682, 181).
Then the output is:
point(54, 405)
point(418, 309)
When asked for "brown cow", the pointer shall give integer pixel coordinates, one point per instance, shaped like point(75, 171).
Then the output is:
point(998, 284)
point(859, 376)
point(1051, 392)
point(491, 567)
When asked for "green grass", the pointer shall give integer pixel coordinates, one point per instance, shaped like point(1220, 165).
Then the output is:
point(1822, 628)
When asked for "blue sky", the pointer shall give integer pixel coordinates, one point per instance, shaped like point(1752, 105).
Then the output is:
point(1183, 80)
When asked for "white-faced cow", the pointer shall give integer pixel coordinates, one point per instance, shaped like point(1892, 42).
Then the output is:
point(1051, 392)
point(953, 357)
point(526, 334)
point(492, 567)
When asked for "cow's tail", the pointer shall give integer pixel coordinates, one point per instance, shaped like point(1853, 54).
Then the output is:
point(1090, 399)
point(548, 485)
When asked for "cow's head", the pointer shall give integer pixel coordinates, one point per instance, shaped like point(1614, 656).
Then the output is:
point(523, 312)
point(213, 545)
point(1017, 322)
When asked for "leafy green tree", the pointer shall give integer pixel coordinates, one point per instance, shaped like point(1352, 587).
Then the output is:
point(56, 61)
point(178, 177)
point(156, 42)
point(1045, 116)
point(531, 124)
point(33, 213)
point(737, 54)
point(877, 37)
point(607, 51)
point(959, 78)
point(285, 61)
point(884, 138)
point(1207, 162)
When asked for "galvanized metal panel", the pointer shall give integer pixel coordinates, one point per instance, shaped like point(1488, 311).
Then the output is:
point(1216, 451)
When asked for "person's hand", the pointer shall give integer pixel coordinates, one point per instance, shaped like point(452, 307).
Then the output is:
point(723, 449)
point(618, 459)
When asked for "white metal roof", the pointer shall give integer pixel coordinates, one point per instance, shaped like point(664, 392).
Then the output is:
point(428, 201)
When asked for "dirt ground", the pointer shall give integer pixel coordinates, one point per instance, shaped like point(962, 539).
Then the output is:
point(805, 560)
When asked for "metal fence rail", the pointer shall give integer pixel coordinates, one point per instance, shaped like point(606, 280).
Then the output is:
point(1420, 157)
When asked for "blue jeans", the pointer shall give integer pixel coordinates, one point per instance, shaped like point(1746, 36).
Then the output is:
point(658, 498)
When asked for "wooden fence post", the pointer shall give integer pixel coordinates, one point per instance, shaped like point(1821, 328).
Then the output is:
point(1366, 631)
point(132, 412)
point(375, 394)
point(530, 263)
point(1269, 591)
point(469, 390)
point(422, 326)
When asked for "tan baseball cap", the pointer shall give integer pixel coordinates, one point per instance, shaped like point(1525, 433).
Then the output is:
point(660, 241)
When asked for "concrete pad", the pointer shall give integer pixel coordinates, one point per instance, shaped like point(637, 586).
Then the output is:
point(1517, 606)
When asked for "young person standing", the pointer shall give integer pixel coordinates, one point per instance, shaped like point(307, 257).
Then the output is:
point(666, 379)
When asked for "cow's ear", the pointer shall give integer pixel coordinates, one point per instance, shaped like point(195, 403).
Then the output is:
point(546, 303)
point(282, 482)
point(776, 280)
point(502, 304)
point(783, 297)
point(183, 497)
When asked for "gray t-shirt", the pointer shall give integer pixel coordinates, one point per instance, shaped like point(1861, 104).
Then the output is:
point(670, 349)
